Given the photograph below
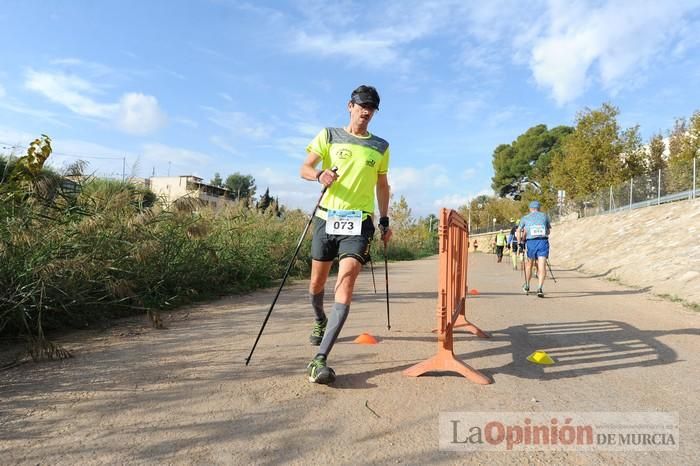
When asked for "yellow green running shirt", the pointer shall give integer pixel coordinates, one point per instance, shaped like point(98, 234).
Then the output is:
point(359, 161)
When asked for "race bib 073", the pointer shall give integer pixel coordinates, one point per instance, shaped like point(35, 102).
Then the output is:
point(344, 222)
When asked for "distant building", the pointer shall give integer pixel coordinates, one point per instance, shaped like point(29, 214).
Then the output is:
point(172, 188)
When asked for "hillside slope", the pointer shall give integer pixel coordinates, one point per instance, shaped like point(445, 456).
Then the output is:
point(656, 247)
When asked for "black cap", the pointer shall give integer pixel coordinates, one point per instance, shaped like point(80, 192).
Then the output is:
point(365, 96)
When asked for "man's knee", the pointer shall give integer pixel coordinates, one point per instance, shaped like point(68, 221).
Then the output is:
point(319, 275)
point(348, 271)
point(317, 285)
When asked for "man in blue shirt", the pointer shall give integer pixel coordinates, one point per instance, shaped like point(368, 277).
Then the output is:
point(534, 231)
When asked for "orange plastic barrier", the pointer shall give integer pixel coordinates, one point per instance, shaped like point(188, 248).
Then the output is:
point(451, 307)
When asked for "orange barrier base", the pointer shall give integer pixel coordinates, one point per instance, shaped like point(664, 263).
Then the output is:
point(446, 361)
point(469, 327)
point(461, 321)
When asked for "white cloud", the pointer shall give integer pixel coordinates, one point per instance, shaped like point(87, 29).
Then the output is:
point(15, 141)
point(225, 96)
point(292, 146)
point(617, 39)
point(70, 91)
point(92, 68)
point(19, 107)
point(223, 144)
point(2, 92)
point(134, 113)
point(353, 45)
point(382, 38)
point(469, 173)
point(404, 180)
point(139, 114)
point(455, 200)
point(162, 152)
point(186, 122)
point(179, 161)
point(239, 123)
point(451, 201)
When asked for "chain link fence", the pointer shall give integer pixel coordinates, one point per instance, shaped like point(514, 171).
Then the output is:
point(674, 183)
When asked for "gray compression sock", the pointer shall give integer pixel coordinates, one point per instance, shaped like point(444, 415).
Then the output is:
point(317, 304)
point(335, 324)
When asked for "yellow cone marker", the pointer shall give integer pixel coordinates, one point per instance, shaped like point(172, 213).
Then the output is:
point(540, 357)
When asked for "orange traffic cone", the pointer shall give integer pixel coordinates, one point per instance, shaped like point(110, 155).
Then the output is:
point(366, 339)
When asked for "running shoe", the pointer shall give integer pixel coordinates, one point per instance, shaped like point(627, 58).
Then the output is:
point(318, 372)
point(317, 333)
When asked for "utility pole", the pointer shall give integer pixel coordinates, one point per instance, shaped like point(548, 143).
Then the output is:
point(123, 169)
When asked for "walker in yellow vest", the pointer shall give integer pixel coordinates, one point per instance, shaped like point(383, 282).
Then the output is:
point(500, 244)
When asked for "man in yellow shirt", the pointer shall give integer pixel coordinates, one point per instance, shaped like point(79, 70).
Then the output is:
point(343, 226)
point(500, 242)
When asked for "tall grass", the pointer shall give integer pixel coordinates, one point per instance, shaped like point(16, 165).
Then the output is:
point(80, 260)
point(409, 243)
point(72, 256)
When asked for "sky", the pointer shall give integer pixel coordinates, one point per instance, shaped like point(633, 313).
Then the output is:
point(198, 87)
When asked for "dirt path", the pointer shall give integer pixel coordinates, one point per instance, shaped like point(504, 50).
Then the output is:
point(183, 395)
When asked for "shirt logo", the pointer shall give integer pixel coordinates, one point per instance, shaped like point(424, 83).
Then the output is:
point(371, 162)
point(344, 154)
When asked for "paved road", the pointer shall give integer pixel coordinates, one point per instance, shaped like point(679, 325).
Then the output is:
point(183, 395)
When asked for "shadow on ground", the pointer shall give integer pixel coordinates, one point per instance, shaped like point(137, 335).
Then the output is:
point(579, 349)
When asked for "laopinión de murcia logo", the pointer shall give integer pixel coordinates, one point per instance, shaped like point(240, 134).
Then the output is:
point(636, 431)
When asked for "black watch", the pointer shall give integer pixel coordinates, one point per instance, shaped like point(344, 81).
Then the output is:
point(384, 222)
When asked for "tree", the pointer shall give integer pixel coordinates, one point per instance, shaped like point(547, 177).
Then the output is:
point(431, 222)
point(241, 186)
point(655, 159)
point(217, 181)
point(592, 156)
point(683, 146)
point(265, 200)
point(483, 209)
point(401, 218)
point(633, 156)
point(527, 160)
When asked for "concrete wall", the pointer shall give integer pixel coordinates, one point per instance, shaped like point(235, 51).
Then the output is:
point(656, 247)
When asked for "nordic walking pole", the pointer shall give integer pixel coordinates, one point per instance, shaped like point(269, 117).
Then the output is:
point(386, 280)
point(550, 271)
point(289, 268)
point(371, 267)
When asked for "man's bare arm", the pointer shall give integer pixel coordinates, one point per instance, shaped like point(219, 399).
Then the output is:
point(309, 172)
point(383, 194)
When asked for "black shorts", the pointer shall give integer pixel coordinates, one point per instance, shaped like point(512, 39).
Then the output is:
point(514, 248)
point(499, 250)
point(325, 247)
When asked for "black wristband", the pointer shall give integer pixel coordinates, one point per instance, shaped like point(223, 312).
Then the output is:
point(318, 175)
point(384, 221)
